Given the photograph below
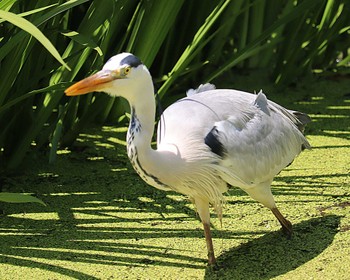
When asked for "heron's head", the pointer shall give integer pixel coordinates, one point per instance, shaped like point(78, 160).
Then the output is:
point(120, 76)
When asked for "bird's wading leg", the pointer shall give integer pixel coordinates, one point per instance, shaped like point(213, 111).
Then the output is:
point(263, 194)
point(203, 211)
point(210, 247)
point(286, 225)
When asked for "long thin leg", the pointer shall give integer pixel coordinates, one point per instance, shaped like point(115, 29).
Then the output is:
point(286, 225)
point(209, 241)
point(202, 206)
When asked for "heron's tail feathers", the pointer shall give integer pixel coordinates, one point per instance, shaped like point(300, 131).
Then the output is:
point(303, 120)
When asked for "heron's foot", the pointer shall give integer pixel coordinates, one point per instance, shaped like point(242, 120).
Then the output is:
point(287, 227)
point(211, 258)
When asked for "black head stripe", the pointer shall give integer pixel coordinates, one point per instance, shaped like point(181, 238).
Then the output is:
point(131, 60)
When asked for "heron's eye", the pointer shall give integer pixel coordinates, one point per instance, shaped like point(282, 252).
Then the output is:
point(127, 70)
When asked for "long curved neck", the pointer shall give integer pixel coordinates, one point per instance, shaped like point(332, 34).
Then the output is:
point(141, 126)
point(144, 159)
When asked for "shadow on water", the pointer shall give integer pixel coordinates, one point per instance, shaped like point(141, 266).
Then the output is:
point(272, 254)
point(98, 213)
point(102, 239)
point(38, 244)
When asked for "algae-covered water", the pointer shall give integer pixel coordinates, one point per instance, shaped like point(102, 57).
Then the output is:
point(102, 222)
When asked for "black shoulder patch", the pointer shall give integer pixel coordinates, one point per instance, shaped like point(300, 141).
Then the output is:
point(212, 140)
point(131, 60)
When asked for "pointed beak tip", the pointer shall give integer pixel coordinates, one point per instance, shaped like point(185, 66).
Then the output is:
point(71, 91)
point(93, 83)
point(79, 88)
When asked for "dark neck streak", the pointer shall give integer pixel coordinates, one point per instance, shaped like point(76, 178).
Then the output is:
point(134, 131)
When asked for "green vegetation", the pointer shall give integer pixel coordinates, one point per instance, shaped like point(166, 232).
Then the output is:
point(18, 198)
point(100, 220)
point(184, 43)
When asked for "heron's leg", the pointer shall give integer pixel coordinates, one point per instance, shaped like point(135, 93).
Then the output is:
point(209, 241)
point(263, 194)
point(203, 211)
point(286, 225)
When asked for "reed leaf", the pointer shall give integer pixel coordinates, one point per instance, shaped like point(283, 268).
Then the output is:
point(34, 31)
point(195, 46)
point(19, 198)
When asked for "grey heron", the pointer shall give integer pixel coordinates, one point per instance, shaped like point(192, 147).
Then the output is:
point(206, 142)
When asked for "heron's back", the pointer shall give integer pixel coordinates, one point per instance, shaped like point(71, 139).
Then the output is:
point(257, 137)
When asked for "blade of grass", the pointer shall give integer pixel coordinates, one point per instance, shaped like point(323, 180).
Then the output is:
point(34, 31)
point(195, 45)
point(305, 5)
point(5, 5)
point(256, 27)
point(19, 198)
point(13, 102)
point(32, 11)
point(18, 48)
point(156, 22)
point(17, 38)
point(83, 40)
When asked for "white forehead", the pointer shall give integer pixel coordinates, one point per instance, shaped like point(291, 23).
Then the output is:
point(122, 59)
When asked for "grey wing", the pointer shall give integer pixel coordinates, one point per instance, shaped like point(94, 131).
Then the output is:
point(257, 144)
point(249, 138)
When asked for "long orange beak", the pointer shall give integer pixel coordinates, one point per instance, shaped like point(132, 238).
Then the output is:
point(96, 82)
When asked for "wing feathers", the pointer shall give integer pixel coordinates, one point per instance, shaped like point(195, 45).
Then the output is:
point(247, 137)
point(261, 103)
point(260, 142)
point(212, 140)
